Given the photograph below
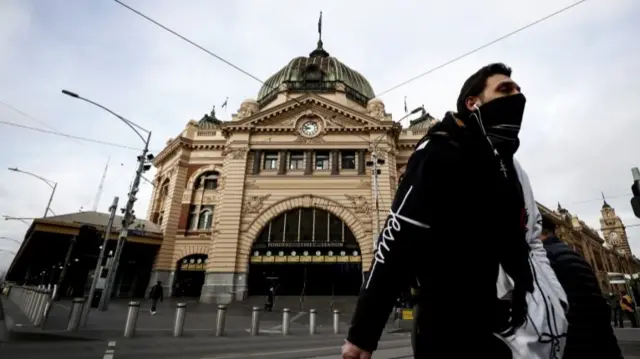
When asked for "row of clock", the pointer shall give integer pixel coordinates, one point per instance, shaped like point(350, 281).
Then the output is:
point(305, 253)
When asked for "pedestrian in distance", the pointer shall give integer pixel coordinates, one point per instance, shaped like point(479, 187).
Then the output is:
point(465, 204)
point(156, 294)
point(590, 334)
point(616, 310)
point(628, 308)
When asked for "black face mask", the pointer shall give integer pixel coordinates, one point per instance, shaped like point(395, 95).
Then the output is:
point(501, 119)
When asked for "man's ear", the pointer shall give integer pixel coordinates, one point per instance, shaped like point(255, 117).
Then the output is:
point(470, 102)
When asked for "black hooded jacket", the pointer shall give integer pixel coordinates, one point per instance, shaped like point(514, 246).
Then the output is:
point(590, 333)
point(454, 219)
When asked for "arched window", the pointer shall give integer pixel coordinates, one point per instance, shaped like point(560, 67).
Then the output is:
point(200, 217)
point(163, 193)
point(207, 180)
point(305, 226)
point(205, 218)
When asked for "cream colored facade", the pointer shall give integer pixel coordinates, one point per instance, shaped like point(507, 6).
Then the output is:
point(303, 143)
point(252, 190)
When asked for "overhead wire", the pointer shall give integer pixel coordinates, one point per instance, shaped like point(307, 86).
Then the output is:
point(56, 133)
point(211, 53)
point(229, 63)
point(490, 43)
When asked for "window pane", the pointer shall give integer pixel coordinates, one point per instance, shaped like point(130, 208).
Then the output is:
point(211, 183)
point(335, 228)
point(322, 160)
point(348, 160)
point(264, 235)
point(296, 161)
point(349, 238)
point(277, 229)
point(270, 161)
point(192, 221)
point(206, 217)
point(321, 226)
point(292, 226)
point(306, 225)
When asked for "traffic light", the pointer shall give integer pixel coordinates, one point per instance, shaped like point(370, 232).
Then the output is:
point(635, 189)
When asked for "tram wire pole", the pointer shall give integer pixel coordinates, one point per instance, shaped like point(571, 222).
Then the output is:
point(98, 270)
point(128, 213)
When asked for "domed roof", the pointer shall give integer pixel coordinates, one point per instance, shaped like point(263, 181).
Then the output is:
point(317, 73)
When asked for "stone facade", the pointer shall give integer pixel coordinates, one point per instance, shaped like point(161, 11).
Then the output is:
point(600, 254)
point(219, 183)
point(250, 190)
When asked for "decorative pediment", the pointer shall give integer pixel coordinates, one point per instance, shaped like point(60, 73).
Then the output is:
point(334, 116)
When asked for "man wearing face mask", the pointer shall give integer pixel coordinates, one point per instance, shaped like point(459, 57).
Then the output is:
point(465, 198)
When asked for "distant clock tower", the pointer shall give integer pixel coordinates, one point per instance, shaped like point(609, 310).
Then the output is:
point(613, 229)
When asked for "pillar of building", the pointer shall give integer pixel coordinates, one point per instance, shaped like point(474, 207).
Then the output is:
point(222, 282)
point(164, 264)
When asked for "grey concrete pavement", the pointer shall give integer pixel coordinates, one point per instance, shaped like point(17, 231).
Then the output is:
point(263, 347)
point(266, 347)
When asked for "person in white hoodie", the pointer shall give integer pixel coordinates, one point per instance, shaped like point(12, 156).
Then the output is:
point(464, 222)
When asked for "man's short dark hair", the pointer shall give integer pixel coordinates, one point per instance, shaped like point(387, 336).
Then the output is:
point(476, 83)
point(548, 227)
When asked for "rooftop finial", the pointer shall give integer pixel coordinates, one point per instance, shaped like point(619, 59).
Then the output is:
point(604, 200)
point(319, 51)
point(320, 30)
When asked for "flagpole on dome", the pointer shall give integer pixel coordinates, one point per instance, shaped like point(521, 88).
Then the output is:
point(224, 105)
point(406, 109)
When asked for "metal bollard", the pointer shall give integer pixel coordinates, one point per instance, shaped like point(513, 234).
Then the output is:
point(37, 308)
point(42, 307)
point(255, 321)
point(178, 323)
point(76, 314)
point(33, 303)
point(312, 321)
point(27, 305)
point(46, 310)
point(132, 319)
point(336, 321)
point(286, 315)
point(222, 316)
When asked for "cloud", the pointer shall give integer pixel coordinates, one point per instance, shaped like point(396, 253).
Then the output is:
point(577, 70)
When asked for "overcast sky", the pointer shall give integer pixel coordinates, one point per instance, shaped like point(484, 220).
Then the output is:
point(579, 71)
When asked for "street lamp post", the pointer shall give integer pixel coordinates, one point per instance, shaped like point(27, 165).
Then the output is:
point(49, 183)
point(374, 163)
point(128, 218)
point(21, 219)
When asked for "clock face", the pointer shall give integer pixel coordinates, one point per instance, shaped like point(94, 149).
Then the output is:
point(613, 236)
point(309, 128)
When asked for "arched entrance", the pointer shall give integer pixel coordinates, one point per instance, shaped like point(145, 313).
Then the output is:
point(306, 251)
point(189, 276)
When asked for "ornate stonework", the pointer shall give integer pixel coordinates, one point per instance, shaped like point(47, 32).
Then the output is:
point(375, 109)
point(307, 140)
point(250, 185)
point(364, 184)
point(247, 109)
point(359, 204)
point(254, 203)
point(235, 153)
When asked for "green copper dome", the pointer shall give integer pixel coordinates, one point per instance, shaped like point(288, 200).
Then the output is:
point(317, 73)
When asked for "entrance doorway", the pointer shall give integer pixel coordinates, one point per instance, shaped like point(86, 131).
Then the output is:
point(306, 252)
point(190, 276)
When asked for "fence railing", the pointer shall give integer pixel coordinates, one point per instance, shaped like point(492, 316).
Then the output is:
point(34, 302)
